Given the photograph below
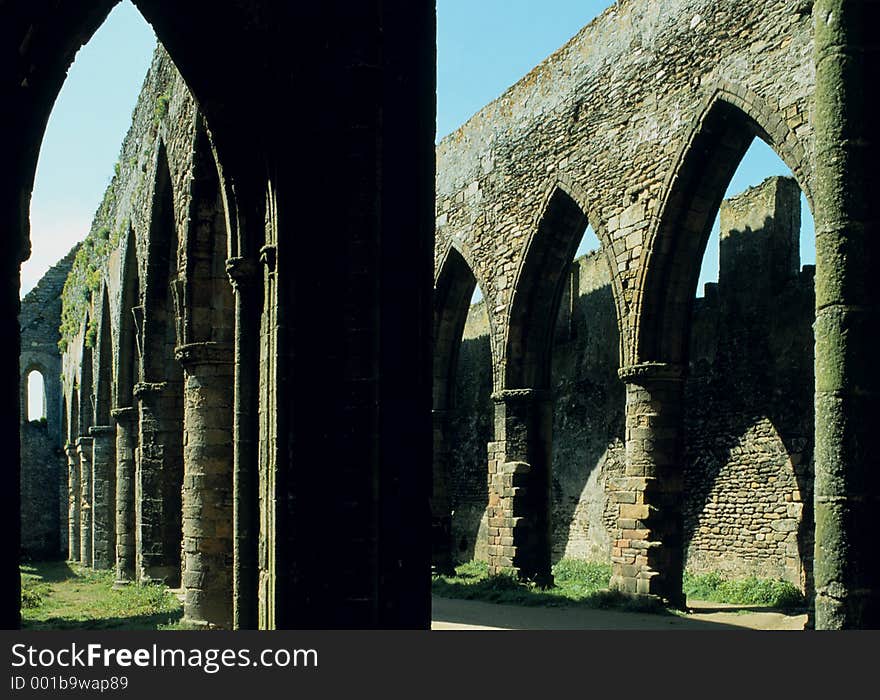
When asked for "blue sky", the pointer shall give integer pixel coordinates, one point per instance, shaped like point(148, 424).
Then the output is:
point(82, 140)
point(483, 48)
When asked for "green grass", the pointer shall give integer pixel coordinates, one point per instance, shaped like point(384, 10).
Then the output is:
point(715, 588)
point(63, 595)
point(576, 583)
point(586, 584)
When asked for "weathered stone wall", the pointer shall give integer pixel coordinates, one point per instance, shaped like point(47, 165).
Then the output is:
point(165, 114)
point(748, 409)
point(469, 433)
point(588, 426)
point(607, 118)
point(748, 399)
point(43, 465)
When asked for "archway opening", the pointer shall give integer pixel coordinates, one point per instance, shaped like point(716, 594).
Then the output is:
point(160, 469)
point(588, 411)
point(76, 119)
point(744, 426)
point(461, 415)
point(748, 396)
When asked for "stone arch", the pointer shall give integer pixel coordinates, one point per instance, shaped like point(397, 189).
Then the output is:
point(454, 286)
point(73, 425)
point(84, 442)
point(86, 384)
point(654, 367)
point(160, 468)
point(103, 436)
point(453, 290)
point(206, 353)
point(208, 313)
point(731, 118)
point(104, 389)
point(538, 289)
point(129, 323)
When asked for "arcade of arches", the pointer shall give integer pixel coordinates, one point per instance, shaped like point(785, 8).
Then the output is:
point(246, 373)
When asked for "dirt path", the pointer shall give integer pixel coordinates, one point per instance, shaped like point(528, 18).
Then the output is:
point(449, 614)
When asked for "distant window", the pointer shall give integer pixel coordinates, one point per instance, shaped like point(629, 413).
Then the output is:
point(36, 409)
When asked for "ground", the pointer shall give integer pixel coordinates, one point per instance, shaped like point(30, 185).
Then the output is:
point(449, 614)
point(63, 595)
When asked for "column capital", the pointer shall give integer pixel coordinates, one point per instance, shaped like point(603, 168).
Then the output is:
point(97, 430)
point(209, 353)
point(651, 372)
point(123, 414)
point(70, 449)
point(510, 395)
point(83, 443)
point(241, 271)
point(143, 388)
point(268, 257)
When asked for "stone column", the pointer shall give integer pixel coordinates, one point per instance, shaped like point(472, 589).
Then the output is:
point(103, 495)
point(441, 508)
point(207, 483)
point(158, 553)
point(84, 451)
point(847, 212)
point(647, 556)
point(126, 443)
point(73, 501)
point(245, 276)
point(519, 485)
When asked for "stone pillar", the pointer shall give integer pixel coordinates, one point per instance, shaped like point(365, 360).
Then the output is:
point(847, 212)
point(126, 443)
point(245, 276)
point(647, 556)
point(73, 501)
point(441, 507)
point(158, 546)
point(207, 483)
point(84, 451)
point(519, 485)
point(103, 495)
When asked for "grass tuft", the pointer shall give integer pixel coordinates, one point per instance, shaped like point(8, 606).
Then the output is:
point(576, 583)
point(713, 587)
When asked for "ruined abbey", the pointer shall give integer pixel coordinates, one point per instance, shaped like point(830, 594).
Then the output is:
point(265, 380)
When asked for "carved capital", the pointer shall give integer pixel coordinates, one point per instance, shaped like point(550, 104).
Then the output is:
point(509, 395)
point(142, 389)
point(645, 372)
point(102, 430)
point(210, 353)
point(84, 445)
point(123, 414)
point(241, 271)
point(268, 257)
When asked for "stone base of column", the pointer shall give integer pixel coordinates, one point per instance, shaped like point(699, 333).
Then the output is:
point(519, 486)
point(647, 556)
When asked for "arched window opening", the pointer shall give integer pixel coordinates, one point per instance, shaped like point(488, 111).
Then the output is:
point(36, 393)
